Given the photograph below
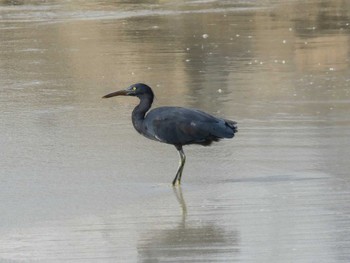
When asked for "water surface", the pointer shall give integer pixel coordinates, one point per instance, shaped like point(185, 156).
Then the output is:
point(78, 184)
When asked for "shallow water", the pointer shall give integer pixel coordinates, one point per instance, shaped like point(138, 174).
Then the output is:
point(78, 184)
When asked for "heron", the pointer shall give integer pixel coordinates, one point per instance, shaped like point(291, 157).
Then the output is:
point(175, 125)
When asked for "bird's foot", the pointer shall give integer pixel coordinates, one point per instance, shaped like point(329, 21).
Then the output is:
point(176, 183)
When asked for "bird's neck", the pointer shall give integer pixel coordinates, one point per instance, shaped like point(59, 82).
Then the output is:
point(138, 114)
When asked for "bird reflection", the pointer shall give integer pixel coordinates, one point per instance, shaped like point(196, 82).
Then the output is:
point(181, 200)
point(190, 240)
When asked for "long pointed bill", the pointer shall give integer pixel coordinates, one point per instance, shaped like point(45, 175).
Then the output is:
point(117, 93)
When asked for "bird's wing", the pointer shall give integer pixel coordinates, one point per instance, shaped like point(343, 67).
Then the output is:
point(175, 125)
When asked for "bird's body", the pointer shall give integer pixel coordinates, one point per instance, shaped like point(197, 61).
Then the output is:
point(182, 126)
point(175, 125)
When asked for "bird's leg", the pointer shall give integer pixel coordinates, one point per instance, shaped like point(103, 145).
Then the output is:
point(183, 160)
point(177, 179)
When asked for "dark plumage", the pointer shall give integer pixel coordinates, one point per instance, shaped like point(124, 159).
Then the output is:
point(175, 125)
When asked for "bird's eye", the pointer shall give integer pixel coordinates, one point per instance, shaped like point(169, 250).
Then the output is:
point(133, 88)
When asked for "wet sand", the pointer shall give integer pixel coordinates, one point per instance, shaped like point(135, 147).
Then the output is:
point(78, 184)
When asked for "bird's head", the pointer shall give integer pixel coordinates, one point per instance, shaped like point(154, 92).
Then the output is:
point(138, 90)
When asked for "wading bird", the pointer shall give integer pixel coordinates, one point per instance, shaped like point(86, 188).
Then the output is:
point(175, 125)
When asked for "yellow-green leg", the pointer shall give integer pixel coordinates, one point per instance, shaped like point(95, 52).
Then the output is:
point(177, 179)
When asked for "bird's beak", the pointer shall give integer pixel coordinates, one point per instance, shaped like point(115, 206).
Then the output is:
point(116, 93)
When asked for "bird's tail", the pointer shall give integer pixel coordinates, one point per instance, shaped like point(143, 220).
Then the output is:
point(232, 125)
